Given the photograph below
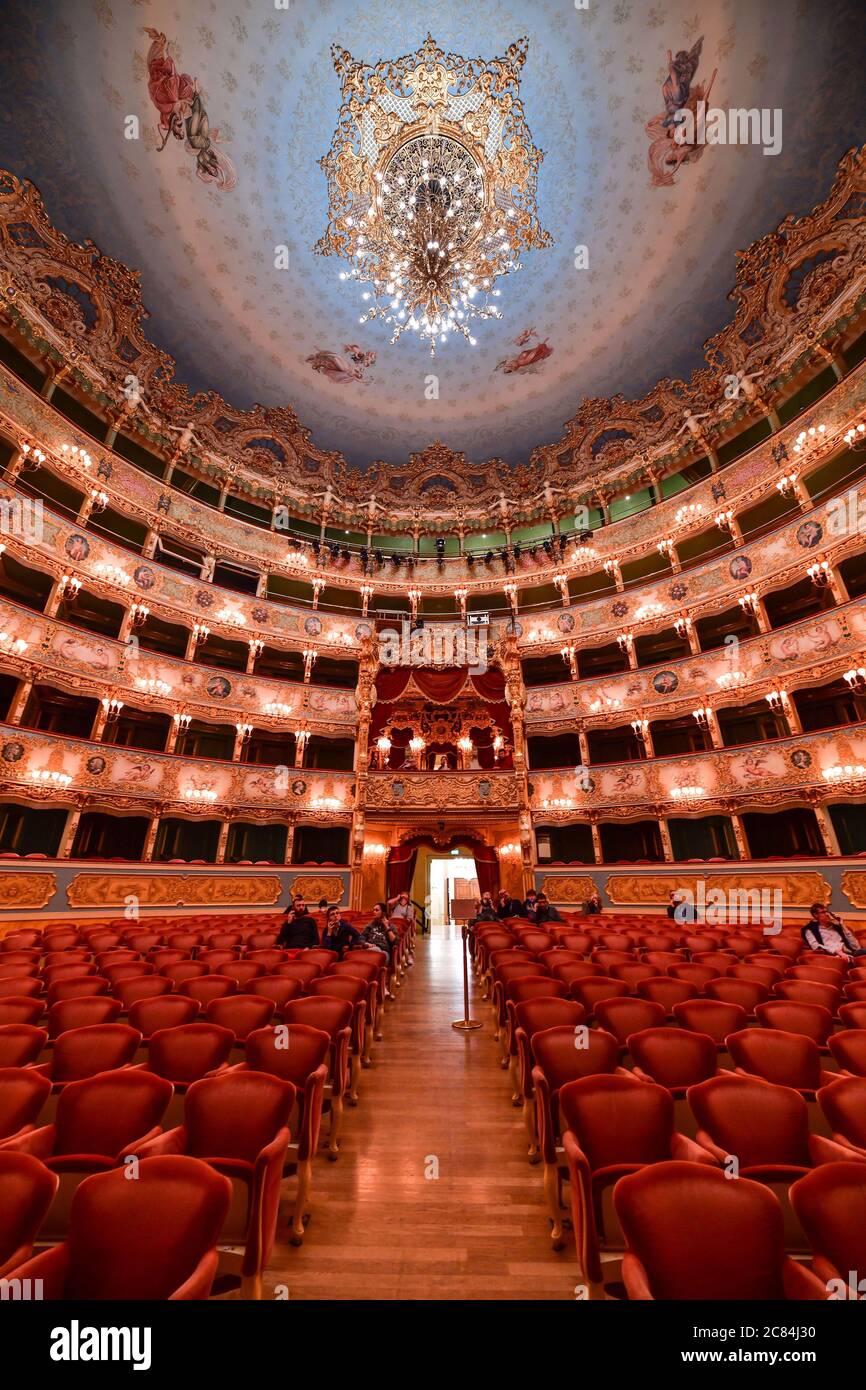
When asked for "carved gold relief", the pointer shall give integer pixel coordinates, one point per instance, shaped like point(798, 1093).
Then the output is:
point(26, 889)
point(854, 887)
point(174, 890)
point(797, 889)
point(568, 888)
point(313, 887)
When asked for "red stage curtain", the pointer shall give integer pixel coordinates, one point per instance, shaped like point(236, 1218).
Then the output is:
point(486, 869)
point(490, 684)
point(439, 685)
point(401, 868)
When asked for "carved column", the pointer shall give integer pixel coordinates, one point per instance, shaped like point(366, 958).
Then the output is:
point(148, 550)
point(290, 840)
point(838, 587)
point(828, 830)
point(596, 842)
point(150, 841)
point(667, 847)
point(792, 718)
point(16, 709)
point(740, 836)
point(714, 730)
point(222, 842)
point(584, 745)
point(736, 532)
point(365, 699)
point(68, 838)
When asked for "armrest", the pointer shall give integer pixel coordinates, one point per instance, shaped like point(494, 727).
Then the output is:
point(823, 1150)
point(170, 1141)
point(200, 1282)
point(800, 1283)
point(684, 1148)
point(52, 1267)
point(634, 1276)
point(39, 1142)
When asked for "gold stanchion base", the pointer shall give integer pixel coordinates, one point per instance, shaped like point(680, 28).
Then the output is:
point(465, 1025)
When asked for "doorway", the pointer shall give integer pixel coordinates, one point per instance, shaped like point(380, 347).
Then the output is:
point(452, 888)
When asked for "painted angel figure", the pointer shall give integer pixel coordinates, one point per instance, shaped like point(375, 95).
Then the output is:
point(677, 86)
point(690, 423)
point(134, 400)
point(181, 113)
point(185, 435)
point(342, 370)
point(742, 381)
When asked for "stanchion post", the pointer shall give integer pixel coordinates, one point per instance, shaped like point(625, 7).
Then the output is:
point(466, 1024)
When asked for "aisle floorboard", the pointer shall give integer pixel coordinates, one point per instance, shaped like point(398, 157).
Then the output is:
point(380, 1227)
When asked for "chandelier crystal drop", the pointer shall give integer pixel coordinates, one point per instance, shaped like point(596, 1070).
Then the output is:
point(432, 178)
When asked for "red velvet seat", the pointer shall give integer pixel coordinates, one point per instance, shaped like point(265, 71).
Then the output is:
point(275, 987)
point(661, 960)
point(785, 1059)
point(121, 955)
point(216, 957)
point(808, 992)
point(183, 940)
point(128, 970)
point(830, 1203)
point(332, 1015)
point(761, 974)
point(746, 993)
point(150, 1239)
point(818, 974)
point(267, 956)
point(528, 1018)
point(358, 993)
point(208, 987)
point(129, 992)
point(20, 1044)
point(692, 1234)
point(855, 992)
point(27, 1190)
point(558, 1061)
point(811, 1020)
point(96, 1121)
point(694, 973)
point(742, 946)
point(162, 1011)
point(843, 1104)
point(242, 1013)
point(664, 990)
point(590, 992)
point(28, 970)
point(23, 1093)
point(851, 1015)
point(570, 970)
point(612, 1126)
point(20, 1009)
point(632, 973)
point(182, 971)
point(673, 1058)
point(19, 940)
point(301, 970)
point(76, 987)
point(300, 1056)
point(628, 1015)
point(82, 1052)
point(162, 956)
point(187, 1053)
point(238, 1123)
point(849, 1051)
point(21, 986)
point(242, 971)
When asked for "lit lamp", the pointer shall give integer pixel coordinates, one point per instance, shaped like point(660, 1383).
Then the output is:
point(702, 716)
point(366, 595)
point(318, 586)
point(414, 597)
point(383, 746)
point(625, 641)
point(256, 646)
point(724, 520)
point(787, 483)
point(569, 656)
point(561, 582)
point(200, 633)
point(749, 602)
point(665, 546)
point(466, 746)
point(276, 710)
point(112, 709)
point(310, 657)
point(244, 731)
point(777, 700)
point(498, 745)
point(846, 775)
point(855, 438)
point(98, 500)
point(687, 793)
point(461, 596)
point(683, 626)
point(819, 573)
point(510, 591)
point(809, 440)
point(690, 512)
point(641, 729)
point(417, 746)
point(181, 722)
point(856, 678)
point(139, 613)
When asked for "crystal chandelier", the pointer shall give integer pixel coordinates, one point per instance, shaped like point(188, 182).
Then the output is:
point(432, 178)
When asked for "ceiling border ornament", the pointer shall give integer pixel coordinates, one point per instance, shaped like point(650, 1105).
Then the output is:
point(607, 445)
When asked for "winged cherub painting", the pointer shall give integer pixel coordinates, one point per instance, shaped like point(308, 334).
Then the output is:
point(666, 154)
point(181, 113)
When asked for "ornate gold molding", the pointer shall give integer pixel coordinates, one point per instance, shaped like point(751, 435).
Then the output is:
point(312, 887)
point(854, 887)
point(797, 889)
point(173, 890)
point(568, 888)
point(26, 889)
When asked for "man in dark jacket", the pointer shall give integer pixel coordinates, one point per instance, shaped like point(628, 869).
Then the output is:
point(544, 911)
point(299, 930)
point(338, 935)
point(529, 904)
point(506, 906)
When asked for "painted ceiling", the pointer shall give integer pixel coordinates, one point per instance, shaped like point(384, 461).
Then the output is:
point(661, 259)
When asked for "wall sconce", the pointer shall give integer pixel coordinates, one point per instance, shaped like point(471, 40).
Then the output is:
point(417, 744)
point(731, 680)
point(690, 512)
point(256, 646)
point(112, 574)
point(69, 587)
point(276, 710)
point(373, 850)
point(297, 557)
point(47, 778)
point(383, 747)
point(749, 602)
point(466, 746)
point(611, 568)
point(498, 745)
point(231, 616)
point(112, 709)
point(98, 500)
point(510, 591)
point(366, 595)
point(561, 582)
point(648, 611)
point(139, 614)
point(72, 453)
point(511, 851)
point(244, 731)
point(787, 483)
point(33, 457)
point(725, 520)
point(461, 596)
point(856, 678)
point(318, 586)
point(605, 705)
point(569, 656)
point(702, 716)
point(181, 722)
point(845, 775)
point(153, 686)
point(16, 646)
point(687, 793)
point(414, 597)
point(810, 439)
point(301, 739)
point(200, 633)
point(777, 700)
point(202, 795)
point(819, 573)
point(641, 729)
point(625, 641)
point(683, 626)
point(310, 658)
point(665, 546)
point(855, 438)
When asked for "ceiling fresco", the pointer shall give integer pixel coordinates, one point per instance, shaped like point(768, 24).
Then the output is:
point(222, 224)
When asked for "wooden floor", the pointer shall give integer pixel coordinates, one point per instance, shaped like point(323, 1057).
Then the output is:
point(433, 1099)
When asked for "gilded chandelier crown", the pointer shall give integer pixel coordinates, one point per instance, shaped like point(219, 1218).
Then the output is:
point(432, 178)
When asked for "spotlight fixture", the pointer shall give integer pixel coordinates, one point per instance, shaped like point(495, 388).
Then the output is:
point(440, 545)
point(380, 558)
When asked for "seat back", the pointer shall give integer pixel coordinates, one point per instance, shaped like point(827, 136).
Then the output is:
point(674, 1057)
point(617, 1119)
point(242, 1013)
point(22, 1095)
point(305, 1051)
point(104, 1114)
point(564, 1056)
point(237, 1114)
point(276, 988)
point(98, 1047)
point(144, 1238)
point(20, 1044)
point(830, 1204)
point(785, 1059)
point(81, 1013)
point(843, 1104)
point(326, 1013)
point(746, 993)
point(627, 1015)
point(163, 1011)
point(812, 1020)
point(760, 1123)
point(185, 1053)
point(536, 1015)
point(27, 1190)
point(698, 1235)
point(711, 1016)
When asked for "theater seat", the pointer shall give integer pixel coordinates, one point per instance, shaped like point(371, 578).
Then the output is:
point(242, 1013)
point(843, 1104)
point(711, 1016)
point(811, 1020)
point(83, 1052)
point(162, 1011)
point(185, 1054)
point(673, 1058)
point(238, 1123)
point(785, 1059)
point(154, 1238)
point(333, 1016)
point(20, 1044)
point(849, 1051)
point(21, 1009)
point(693, 1234)
point(627, 1015)
point(830, 1203)
point(82, 1013)
point(23, 1093)
point(27, 1190)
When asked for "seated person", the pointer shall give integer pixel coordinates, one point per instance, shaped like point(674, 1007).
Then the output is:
point(545, 911)
point(402, 907)
point(506, 906)
point(338, 935)
point(529, 904)
point(592, 906)
point(379, 935)
point(485, 911)
point(299, 930)
point(826, 932)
